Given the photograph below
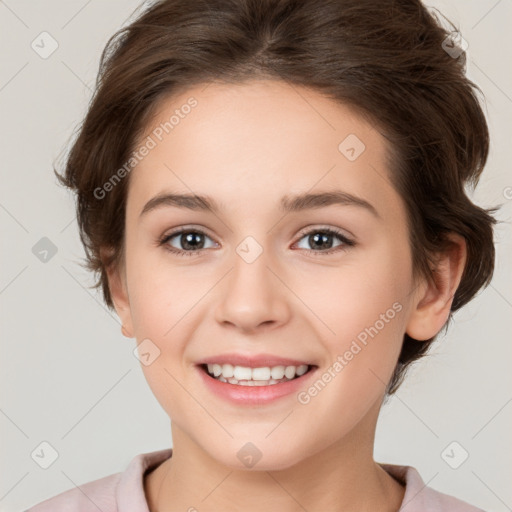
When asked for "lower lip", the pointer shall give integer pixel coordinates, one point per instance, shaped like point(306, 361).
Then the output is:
point(254, 395)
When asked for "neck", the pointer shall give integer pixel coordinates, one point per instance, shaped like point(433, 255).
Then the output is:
point(343, 476)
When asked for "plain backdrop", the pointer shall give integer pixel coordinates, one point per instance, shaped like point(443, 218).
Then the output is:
point(68, 376)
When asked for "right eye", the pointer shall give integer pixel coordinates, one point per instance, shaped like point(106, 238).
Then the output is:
point(192, 241)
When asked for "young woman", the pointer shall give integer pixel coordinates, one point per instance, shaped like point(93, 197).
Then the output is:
point(273, 195)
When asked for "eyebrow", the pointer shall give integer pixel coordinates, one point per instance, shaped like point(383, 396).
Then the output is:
point(288, 204)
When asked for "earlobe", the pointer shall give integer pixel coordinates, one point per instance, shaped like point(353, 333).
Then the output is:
point(125, 332)
point(433, 304)
point(119, 295)
point(121, 302)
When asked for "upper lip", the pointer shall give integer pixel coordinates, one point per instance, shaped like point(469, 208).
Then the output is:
point(253, 361)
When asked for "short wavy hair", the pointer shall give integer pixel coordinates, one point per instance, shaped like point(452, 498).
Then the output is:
point(391, 60)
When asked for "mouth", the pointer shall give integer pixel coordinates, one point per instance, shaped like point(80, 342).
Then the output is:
point(255, 376)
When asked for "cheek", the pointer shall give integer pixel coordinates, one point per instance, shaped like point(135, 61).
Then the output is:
point(363, 308)
point(160, 293)
point(355, 295)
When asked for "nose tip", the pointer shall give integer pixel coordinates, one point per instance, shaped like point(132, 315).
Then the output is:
point(252, 297)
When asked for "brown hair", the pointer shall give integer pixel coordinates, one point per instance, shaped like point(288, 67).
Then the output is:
point(385, 58)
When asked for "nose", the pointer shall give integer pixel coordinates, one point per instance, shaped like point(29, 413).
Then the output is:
point(253, 296)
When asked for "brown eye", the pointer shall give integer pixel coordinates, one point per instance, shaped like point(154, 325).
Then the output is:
point(321, 241)
point(189, 241)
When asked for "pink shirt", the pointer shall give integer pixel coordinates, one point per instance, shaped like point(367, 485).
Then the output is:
point(124, 492)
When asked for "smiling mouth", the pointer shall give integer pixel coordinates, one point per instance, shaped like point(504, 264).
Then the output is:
point(262, 376)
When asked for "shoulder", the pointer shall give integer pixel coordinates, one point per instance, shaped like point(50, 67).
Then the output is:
point(89, 497)
point(119, 492)
point(420, 498)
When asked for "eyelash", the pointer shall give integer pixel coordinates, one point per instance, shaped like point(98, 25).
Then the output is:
point(330, 231)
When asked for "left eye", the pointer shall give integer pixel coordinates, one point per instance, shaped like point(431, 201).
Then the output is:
point(322, 239)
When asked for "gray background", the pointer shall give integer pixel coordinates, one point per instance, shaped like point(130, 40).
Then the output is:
point(68, 376)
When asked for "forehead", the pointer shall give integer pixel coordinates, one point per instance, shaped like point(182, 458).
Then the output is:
point(254, 138)
point(261, 115)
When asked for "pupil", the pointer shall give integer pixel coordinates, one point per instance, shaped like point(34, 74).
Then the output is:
point(189, 239)
point(323, 238)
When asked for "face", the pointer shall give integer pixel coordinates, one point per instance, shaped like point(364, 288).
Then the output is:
point(325, 281)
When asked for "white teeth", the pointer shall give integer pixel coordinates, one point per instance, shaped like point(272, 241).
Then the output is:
point(242, 373)
point(262, 376)
point(227, 371)
point(277, 372)
point(269, 382)
point(289, 372)
point(302, 369)
point(259, 374)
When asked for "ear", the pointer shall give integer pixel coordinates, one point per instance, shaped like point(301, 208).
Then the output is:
point(432, 306)
point(119, 293)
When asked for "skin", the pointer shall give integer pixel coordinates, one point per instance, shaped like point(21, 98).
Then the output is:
point(247, 146)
